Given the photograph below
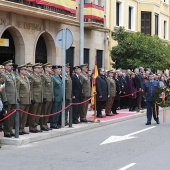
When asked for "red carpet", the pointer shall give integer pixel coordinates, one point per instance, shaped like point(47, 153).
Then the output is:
point(106, 118)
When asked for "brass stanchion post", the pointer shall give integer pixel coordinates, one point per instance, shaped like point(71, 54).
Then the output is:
point(95, 119)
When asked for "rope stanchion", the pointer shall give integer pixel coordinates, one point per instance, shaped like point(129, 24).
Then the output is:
point(48, 115)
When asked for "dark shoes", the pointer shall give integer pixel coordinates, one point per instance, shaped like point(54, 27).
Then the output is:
point(75, 122)
point(35, 131)
point(157, 122)
point(8, 135)
point(148, 123)
point(109, 114)
point(99, 116)
point(55, 127)
point(84, 120)
point(44, 129)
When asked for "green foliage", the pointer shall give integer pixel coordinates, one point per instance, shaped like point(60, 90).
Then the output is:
point(158, 94)
point(136, 49)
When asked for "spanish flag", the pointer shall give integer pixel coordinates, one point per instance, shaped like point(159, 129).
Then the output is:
point(95, 74)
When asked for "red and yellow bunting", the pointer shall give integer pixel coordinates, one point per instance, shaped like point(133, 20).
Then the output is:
point(65, 5)
point(94, 12)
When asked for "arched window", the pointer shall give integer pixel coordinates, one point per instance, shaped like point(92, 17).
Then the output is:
point(41, 51)
point(7, 53)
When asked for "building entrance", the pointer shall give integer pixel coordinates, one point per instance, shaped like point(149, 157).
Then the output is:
point(7, 53)
point(41, 51)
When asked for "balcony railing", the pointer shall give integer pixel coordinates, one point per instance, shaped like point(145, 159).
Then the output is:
point(45, 7)
point(93, 13)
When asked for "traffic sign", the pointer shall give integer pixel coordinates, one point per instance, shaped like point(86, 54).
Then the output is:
point(68, 38)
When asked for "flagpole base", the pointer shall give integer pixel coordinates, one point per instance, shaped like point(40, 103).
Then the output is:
point(95, 121)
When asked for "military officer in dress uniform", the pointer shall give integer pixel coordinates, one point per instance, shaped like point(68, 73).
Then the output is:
point(86, 89)
point(68, 91)
point(36, 97)
point(55, 122)
point(111, 92)
point(9, 96)
point(24, 96)
point(149, 88)
point(47, 96)
point(77, 93)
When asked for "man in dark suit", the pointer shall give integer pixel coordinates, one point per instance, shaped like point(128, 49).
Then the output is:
point(138, 82)
point(77, 93)
point(149, 89)
point(102, 91)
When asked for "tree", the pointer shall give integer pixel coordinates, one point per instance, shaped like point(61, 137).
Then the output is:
point(136, 49)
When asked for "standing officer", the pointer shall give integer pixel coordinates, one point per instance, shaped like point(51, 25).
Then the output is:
point(77, 93)
point(68, 92)
point(9, 97)
point(55, 122)
point(47, 96)
point(36, 97)
point(86, 86)
point(24, 96)
point(102, 92)
point(149, 89)
point(111, 92)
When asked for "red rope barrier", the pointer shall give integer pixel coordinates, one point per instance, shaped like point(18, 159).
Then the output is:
point(131, 94)
point(8, 114)
point(52, 114)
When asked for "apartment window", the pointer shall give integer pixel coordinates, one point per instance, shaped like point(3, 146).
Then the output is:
point(130, 18)
point(117, 13)
point(165, 29)
point(156, 24)
point(86, 55)
point(70, 56)
point(146, 22)
point(100, 2)
point(99, 58)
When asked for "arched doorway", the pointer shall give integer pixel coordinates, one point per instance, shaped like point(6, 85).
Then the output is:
point(41, 51)
point(7, 53)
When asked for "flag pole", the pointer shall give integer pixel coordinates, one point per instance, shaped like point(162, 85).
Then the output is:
point(95, 119)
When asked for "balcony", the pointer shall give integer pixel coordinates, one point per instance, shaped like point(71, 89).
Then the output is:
point(41, 10)
point(93, 16)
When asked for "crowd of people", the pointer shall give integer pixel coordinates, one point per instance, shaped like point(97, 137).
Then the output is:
point(133, 90)
point(38, 89)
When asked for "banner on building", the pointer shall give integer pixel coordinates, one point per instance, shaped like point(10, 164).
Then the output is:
point(4, 42)
point(65, 5)
point(93, 12)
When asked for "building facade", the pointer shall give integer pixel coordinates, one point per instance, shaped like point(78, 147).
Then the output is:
point(31, 27)
point(149, 17)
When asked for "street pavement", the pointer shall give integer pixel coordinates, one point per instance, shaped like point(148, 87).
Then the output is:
point(147, 149)
point(34, 137)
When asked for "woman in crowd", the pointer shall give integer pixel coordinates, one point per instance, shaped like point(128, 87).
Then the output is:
point(132, 91)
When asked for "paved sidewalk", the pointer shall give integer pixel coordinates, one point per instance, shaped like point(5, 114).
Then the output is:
point(33, 137)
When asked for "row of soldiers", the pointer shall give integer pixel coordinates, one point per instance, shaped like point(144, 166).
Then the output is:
point(38, 90)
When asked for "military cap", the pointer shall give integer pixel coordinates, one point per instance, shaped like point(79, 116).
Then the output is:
point(110, 71)
point(22, 66)
point(37, 65)
point(15, 66)
point(76, 67)
point(7, 63)
point(29, 64)
point(84, 65)
point(56, 67)
point(1, 66)
point(67, 65)
point(47, 65)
